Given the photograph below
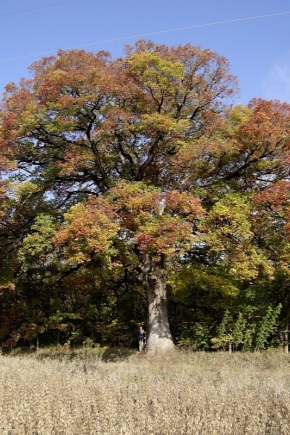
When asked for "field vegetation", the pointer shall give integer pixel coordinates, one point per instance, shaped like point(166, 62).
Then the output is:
point(113, 393)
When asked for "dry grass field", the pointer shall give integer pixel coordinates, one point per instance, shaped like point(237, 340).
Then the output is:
point(194, 393)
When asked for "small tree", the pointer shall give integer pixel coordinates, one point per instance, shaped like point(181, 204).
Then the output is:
point(239, 331)
point(267, 326)
point(224, 335)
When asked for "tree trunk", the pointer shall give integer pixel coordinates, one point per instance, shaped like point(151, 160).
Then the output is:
point(153, 281)
point(286, 333)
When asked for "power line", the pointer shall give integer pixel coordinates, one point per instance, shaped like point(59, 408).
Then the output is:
point(34, 8)
point(106, 41)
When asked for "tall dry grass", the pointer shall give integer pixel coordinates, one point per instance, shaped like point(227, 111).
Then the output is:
point(181, 394)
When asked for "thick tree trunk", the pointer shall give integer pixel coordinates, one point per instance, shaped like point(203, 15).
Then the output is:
point(153, 280)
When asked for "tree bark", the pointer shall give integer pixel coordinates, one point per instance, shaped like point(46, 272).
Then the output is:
point(153, 280)
point(286, 333)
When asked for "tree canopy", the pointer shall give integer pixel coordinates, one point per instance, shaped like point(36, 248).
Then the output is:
point(133, 180)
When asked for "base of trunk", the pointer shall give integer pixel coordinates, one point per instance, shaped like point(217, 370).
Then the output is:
point(157, 344)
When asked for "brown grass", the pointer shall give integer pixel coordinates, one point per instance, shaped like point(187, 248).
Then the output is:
point(179, 394)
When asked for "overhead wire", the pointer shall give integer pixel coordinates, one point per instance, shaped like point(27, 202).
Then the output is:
point(141, 35)
point(34, 8)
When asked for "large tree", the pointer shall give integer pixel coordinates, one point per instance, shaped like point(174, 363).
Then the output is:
point(140, 160)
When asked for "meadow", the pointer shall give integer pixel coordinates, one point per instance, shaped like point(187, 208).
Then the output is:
point(179, 394)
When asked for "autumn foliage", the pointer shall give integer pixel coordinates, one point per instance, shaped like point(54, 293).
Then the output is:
point(123, 175)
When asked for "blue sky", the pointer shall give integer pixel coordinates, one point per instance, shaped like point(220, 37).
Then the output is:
point(258, 49)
